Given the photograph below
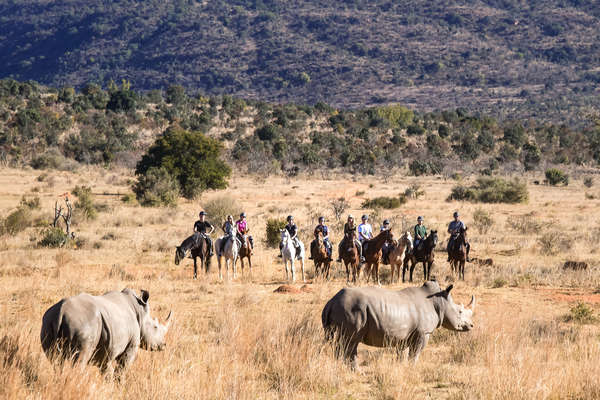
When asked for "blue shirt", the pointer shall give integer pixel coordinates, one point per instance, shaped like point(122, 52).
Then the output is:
point(455, 226)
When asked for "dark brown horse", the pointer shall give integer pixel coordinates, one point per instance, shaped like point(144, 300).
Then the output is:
point(245, 250)
point(458, 254)
point(197, 247)
point(372, 253)
point(320, 257)
point(424, 254)
point(349, 255)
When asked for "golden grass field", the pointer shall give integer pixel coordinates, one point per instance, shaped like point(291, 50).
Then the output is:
point(239, 340)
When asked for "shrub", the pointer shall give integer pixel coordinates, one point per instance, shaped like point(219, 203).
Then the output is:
point(555, 176)
point(525, 224)
point(418, 167)
point(492, 190)
point(482, 220)
point(581, 314)
point(553, 242)
point(414, 191)
point(156, 187)
point(498, 283)
point(274, 225)
point(53, 237)
point(85, 202)
point(218, 209)
point(191, 158)
point(16, 221)
point(588, 182)
point(384, 202)
point(129, 198)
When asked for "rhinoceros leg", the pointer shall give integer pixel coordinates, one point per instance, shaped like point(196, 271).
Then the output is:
point(417, 343)
point(125, 359)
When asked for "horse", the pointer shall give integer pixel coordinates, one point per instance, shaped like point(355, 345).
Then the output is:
point(195, 245)
point(350, 257)
point(230, 252)
point(288, 253)
point(422, 253)
point(458, 254)
point(320, 256)
point(372, 253)
point(245, 251)
point(398, 253)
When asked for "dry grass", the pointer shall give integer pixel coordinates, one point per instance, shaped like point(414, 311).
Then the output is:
point(240, 340)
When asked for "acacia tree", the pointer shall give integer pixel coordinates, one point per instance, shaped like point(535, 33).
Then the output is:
point(192, 158)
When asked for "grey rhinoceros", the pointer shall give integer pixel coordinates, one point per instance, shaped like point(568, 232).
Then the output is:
point(386, 318)
point(100, 329)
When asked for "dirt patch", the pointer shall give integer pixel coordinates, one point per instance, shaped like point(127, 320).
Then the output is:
point(573, 296)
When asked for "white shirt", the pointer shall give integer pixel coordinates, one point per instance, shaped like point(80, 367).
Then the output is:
point(365, 231)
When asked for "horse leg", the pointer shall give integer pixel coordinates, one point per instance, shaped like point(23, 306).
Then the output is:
point(250, 264)
point(195, 269)
point(234, 267)
point(293, 270)
point(347, 272)
point(285, 263)
point(302, 264)
point(377, 272)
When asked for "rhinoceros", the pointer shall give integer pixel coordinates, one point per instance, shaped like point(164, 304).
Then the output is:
point(386, 318)
point(101, 329)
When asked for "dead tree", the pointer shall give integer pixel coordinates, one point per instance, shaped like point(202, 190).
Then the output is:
point(65, 215)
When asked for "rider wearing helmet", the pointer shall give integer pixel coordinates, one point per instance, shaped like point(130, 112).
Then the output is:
point(227, 228)
point(293, 231)
point(241, 226)
point(365, 230)
point(387, 246)
point(349, 231)
point(321, 227)
point(420, 232)
point(454, 229)
point(201, 226)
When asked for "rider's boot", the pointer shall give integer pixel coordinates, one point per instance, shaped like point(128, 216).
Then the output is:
point(280, 247)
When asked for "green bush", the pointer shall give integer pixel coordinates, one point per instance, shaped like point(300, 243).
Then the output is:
point(555, 176)
point(274, 225)
point(581, 314)
point(156, 188)
point(16, 221)
point(588, 182)
point(129, 198)
point(85, 202)
point(492, 190)
point(219, 208)
point(192, 158)
point(418, 167)
point(53, 237)
point(384, 202)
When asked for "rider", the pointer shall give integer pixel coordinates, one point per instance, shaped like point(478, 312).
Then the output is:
point(454, 229)
point(201, 226)
point(241, 229)
point(349, 231)
point(321, 227)
point(293, 231)
point(387, 247)
point(365, 231)
point(420, 232)
point(227, 227)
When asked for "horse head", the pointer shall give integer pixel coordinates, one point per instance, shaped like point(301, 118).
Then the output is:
point(433, 237)
point(408, 240)
point(285, 235)
point(179, 254)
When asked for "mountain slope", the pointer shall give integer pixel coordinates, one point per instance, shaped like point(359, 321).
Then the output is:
point(507, 57)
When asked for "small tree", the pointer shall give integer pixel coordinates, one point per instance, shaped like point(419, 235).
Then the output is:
point(555, 176)
point(191, 158)
point(156, 188)
point(274, 225)
point(338, 206)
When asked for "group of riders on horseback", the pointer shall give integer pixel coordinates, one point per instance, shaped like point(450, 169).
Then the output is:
point(233, 231)
point(356, 235)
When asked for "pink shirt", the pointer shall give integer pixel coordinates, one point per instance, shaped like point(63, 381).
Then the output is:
point(241, 226)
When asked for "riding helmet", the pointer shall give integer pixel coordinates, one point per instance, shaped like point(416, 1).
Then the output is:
point(455, 214)
point(386, 221)
point(350, 216)
point(229, 217)
point(321, 218)
point(202, 213)
point(289, 218)
point(419, 218)
point(365, 216)
point(242, 214)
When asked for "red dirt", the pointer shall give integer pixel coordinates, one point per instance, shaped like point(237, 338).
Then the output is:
point(572, 296)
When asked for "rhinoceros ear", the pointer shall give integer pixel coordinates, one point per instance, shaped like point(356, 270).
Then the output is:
point(145, 296)
point(449, 288)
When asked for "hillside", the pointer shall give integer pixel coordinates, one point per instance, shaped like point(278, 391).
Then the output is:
point(61, 129)
point(508, 58)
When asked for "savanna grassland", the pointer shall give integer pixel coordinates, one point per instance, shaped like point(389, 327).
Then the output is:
point(536, 329)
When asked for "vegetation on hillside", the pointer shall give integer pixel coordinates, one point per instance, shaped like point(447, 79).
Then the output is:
point(510, 57)
point(50, 128)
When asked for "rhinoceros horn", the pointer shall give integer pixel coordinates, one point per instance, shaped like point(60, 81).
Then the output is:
point(168, 320)
point(472, 303)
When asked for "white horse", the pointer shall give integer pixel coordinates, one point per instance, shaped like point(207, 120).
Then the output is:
point(230, 252)
point(288, 253)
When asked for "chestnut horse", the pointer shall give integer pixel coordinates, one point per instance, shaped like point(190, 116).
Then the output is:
point(458, 254)
point(398, 253)
point(319, 255)
point(372, 253)
point(349, 256)
point(245, 250)
point(422, 253)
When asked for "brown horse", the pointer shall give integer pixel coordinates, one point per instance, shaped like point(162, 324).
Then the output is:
point(372, 253)
point(197, 247)
point(245, 250)
point(349, 255)
point(458, 254)
point(320, 256)
point(398, 253)
point(422, 253)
